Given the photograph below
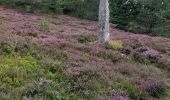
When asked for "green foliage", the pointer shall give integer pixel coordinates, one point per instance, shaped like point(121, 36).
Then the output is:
point(123, 12)
point(17, 70)
point(151, 14)
point(56, 88)
point(141, 59)
point(34, 5)
point(84, 8)
point(162, 29)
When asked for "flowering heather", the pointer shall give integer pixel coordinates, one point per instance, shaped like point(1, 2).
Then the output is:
point(70, 65)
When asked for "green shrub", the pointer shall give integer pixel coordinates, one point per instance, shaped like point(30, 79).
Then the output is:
point(141, 58)
point(155, 88)
point(17, 70)
point(87, 84)
point(50, 90)
point(53, 67)
point(131, 90)
point(44, 25)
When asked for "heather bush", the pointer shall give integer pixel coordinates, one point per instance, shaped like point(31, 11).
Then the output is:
point(114, 57)
point(88, 84)
point(141, 58)
point(12, 44)
point(155, 88)
point(46, 51)
point(25, 46)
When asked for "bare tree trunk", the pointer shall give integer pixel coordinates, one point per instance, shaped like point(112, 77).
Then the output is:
point(104, 21)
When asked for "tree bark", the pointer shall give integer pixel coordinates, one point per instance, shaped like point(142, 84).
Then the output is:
point(104, 21)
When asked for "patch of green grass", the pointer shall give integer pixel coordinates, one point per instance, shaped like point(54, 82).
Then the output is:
point(119, 58)
point(51, 90)
point(141, 59)
point(42, 78)
point(131, 90)
point(86, 39)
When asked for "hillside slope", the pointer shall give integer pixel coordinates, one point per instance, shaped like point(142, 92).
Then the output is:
point(56, 57)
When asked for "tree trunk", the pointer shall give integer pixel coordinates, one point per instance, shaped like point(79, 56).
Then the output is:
point(104, 21)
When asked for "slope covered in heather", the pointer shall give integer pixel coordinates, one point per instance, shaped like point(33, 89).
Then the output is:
point(57, 58)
